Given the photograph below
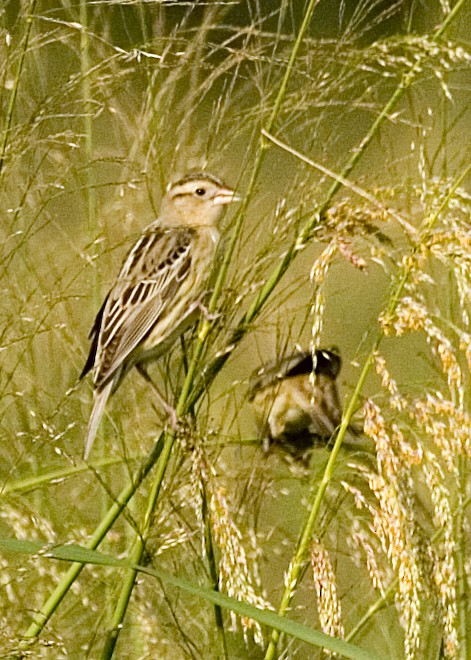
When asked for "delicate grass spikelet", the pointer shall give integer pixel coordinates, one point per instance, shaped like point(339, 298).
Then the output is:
point(380, 574)
point(430, 53)
point(235, 574)
point(413, 315)
point(451, 243)
point(408, 316)
point(443, 349)
point(465, 345)
point(349, 219)
point(452, 246)
point(442, 420)
point(443, 559)
point(396, 400)
point(346, 251)
point(394, 523)
point(328, 602)
point(448, 426)
point(318, 276)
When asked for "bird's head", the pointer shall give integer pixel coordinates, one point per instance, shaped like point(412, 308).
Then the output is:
point(196, 199)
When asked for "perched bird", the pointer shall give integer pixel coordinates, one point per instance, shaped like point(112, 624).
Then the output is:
point(290, 409)
point(159, 290)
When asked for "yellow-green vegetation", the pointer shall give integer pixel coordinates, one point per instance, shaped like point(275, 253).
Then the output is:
point(344, 127)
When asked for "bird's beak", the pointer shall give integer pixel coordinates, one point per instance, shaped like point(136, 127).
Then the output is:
point(225, 196)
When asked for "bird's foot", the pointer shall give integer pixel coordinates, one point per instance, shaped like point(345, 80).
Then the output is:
point(209, 316)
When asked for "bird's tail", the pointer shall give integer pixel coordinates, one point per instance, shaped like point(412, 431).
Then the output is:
point(100, 399)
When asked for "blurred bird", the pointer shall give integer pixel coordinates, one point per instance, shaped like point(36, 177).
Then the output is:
point(159, 290)
point(292, 411)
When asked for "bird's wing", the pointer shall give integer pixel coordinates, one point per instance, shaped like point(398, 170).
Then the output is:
point(144, 290)
point(94, 335)
point(275, 371)
point(325, 409)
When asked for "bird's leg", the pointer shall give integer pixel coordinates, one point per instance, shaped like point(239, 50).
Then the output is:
point(266, 444)
point(170, 410)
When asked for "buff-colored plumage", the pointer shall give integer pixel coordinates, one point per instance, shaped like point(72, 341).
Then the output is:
point(289, 409)
point(158, 292)
point(297, 406)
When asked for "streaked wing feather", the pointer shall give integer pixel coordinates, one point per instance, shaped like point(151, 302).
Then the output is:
point(144, 290)
point(94, 336)
point(100, 398)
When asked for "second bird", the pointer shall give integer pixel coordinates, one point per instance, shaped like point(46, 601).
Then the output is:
point(159, 290)
point(289, 409)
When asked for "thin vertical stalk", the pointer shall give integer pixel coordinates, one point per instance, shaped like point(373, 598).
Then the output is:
point(90, 181)
point(16, 84)
point(260, 157)
point(135, 558)
point(88, 127)
point(462, 597)
point(90, 184)
point(214, 573)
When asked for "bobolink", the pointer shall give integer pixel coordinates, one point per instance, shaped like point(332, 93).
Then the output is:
point(158, 292)
point(290, 409)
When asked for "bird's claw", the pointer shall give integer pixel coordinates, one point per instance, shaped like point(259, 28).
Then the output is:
point(209, 316)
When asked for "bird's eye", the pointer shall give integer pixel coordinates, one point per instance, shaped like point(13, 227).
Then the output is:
point(200, 192)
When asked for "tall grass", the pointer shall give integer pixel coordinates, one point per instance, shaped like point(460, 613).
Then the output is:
point(343, 126)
